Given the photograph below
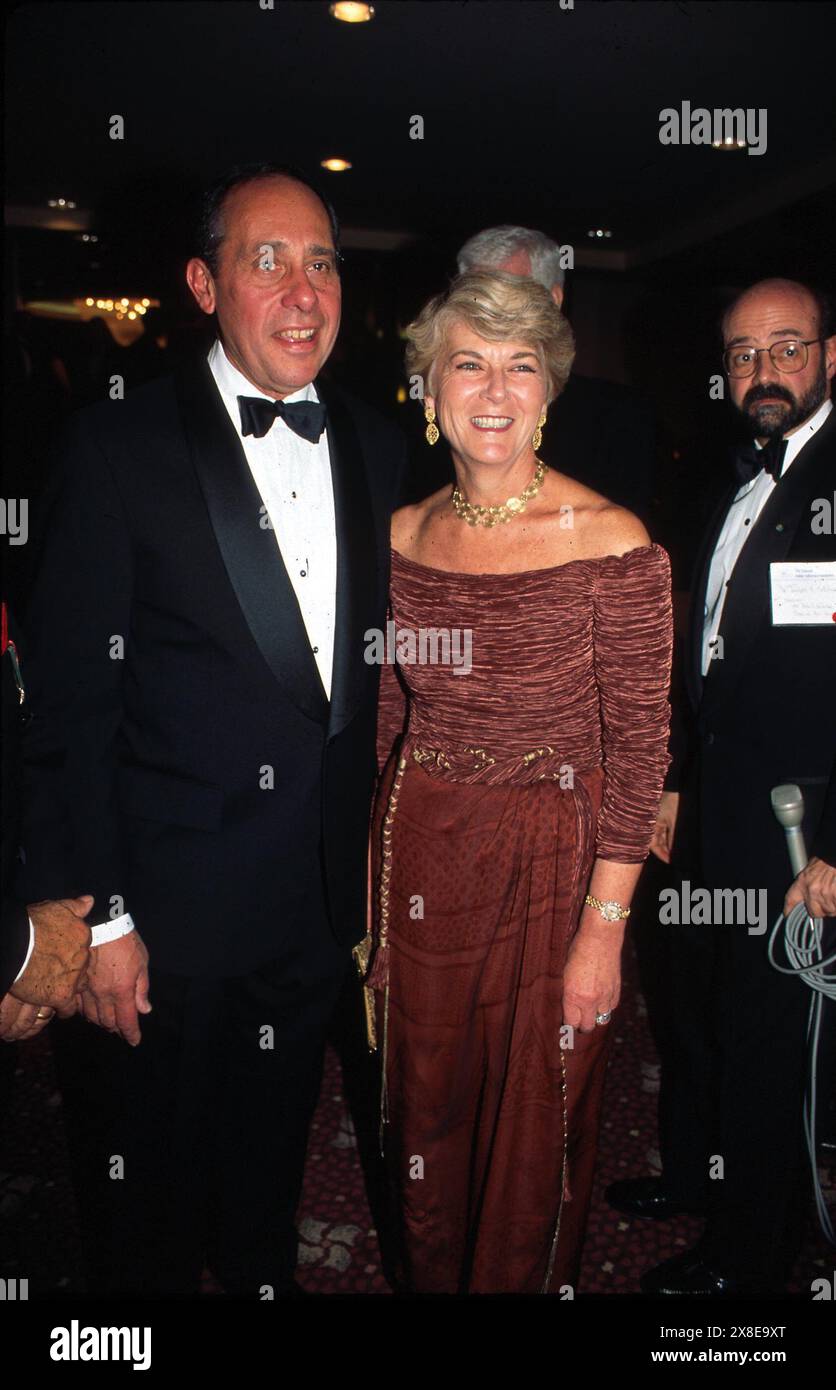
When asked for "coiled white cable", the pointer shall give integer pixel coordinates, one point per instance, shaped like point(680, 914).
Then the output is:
point(802, 940)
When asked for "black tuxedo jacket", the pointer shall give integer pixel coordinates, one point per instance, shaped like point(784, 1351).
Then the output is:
point(766, 712)
point(603, 434)
point(182, 762)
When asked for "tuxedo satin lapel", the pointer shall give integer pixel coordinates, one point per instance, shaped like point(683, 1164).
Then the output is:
point(356, 560)
point(693, 673)
point(748, 605)
point(249, 550)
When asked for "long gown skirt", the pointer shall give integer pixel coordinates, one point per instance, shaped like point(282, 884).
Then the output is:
point(485, 893)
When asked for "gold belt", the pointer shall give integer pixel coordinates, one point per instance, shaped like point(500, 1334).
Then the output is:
point(469, 761)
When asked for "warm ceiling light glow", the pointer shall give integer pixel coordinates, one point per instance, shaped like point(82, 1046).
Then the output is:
point(350, 12)
point(336, 166)
point(89, 303)
point(728, 144)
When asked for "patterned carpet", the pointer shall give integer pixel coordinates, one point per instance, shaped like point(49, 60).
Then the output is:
point(339, 1250)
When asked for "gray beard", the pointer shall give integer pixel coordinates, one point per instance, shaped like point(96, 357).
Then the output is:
point(774, 421)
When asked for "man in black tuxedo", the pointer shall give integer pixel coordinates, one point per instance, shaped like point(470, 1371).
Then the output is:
point(600, 432)
point(761, 686)
point(201, 753)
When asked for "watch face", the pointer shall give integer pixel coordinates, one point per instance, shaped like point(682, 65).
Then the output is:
point(610, 911)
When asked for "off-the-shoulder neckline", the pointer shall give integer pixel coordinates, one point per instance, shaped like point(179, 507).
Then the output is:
point(522, 574)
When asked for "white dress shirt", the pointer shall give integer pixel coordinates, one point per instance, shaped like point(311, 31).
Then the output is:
point(744, 511)
point(293, 478)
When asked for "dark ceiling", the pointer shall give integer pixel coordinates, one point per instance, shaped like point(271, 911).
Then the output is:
point(532, 113)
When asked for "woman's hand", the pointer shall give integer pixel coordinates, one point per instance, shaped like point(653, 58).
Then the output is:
point(663, 832)
point(592, 978)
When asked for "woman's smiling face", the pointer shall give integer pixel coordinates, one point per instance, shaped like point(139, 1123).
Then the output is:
point(488, 396)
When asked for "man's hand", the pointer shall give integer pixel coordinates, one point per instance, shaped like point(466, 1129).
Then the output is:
point(19, 1021)
point(58, 964)
point(117, 986)
point(662, 841)
point(815, 886)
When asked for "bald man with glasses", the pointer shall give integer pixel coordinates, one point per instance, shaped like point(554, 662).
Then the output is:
point(761, 686)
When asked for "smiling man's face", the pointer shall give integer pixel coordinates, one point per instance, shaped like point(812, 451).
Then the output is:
point(773, 402)
point(277, 289)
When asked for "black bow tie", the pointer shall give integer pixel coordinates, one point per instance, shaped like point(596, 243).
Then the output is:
point(305, 418)
point(748, 461)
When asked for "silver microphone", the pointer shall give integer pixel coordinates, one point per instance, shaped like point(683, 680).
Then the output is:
point(788, 805)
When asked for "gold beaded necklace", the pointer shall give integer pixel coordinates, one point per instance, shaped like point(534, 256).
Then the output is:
point(489, 516)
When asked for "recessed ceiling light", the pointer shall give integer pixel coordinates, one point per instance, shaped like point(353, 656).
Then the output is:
point(599, 232)
point(336, 166)
point(350, 12)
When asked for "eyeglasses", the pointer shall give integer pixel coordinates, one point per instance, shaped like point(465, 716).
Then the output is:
point(790, 355)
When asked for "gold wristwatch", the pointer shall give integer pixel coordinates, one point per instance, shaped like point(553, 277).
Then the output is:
point(611, 911)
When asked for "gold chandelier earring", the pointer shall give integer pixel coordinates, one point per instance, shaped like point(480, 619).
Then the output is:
point(431, 432)
point(537, 437)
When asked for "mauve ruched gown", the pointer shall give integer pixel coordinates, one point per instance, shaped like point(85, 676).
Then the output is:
point(491, 808)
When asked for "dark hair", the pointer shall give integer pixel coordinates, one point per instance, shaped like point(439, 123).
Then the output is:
point(821, 297)
point(210, 232)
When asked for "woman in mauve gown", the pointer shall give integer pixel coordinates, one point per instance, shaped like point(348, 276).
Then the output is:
point(522, 756)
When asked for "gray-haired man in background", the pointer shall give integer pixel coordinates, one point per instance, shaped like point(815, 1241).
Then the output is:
point(597, 431)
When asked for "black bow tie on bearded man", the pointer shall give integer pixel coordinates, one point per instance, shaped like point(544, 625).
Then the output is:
point(305, 418)
point(749, 460)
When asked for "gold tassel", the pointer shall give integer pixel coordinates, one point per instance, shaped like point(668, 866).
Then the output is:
point(362, 954)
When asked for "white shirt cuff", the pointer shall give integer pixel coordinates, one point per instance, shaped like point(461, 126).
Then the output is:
point(112, 930)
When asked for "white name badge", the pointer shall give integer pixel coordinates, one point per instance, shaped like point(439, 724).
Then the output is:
point(803, 593)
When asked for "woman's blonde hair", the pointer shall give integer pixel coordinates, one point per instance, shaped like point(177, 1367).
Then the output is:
point(500, 308)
